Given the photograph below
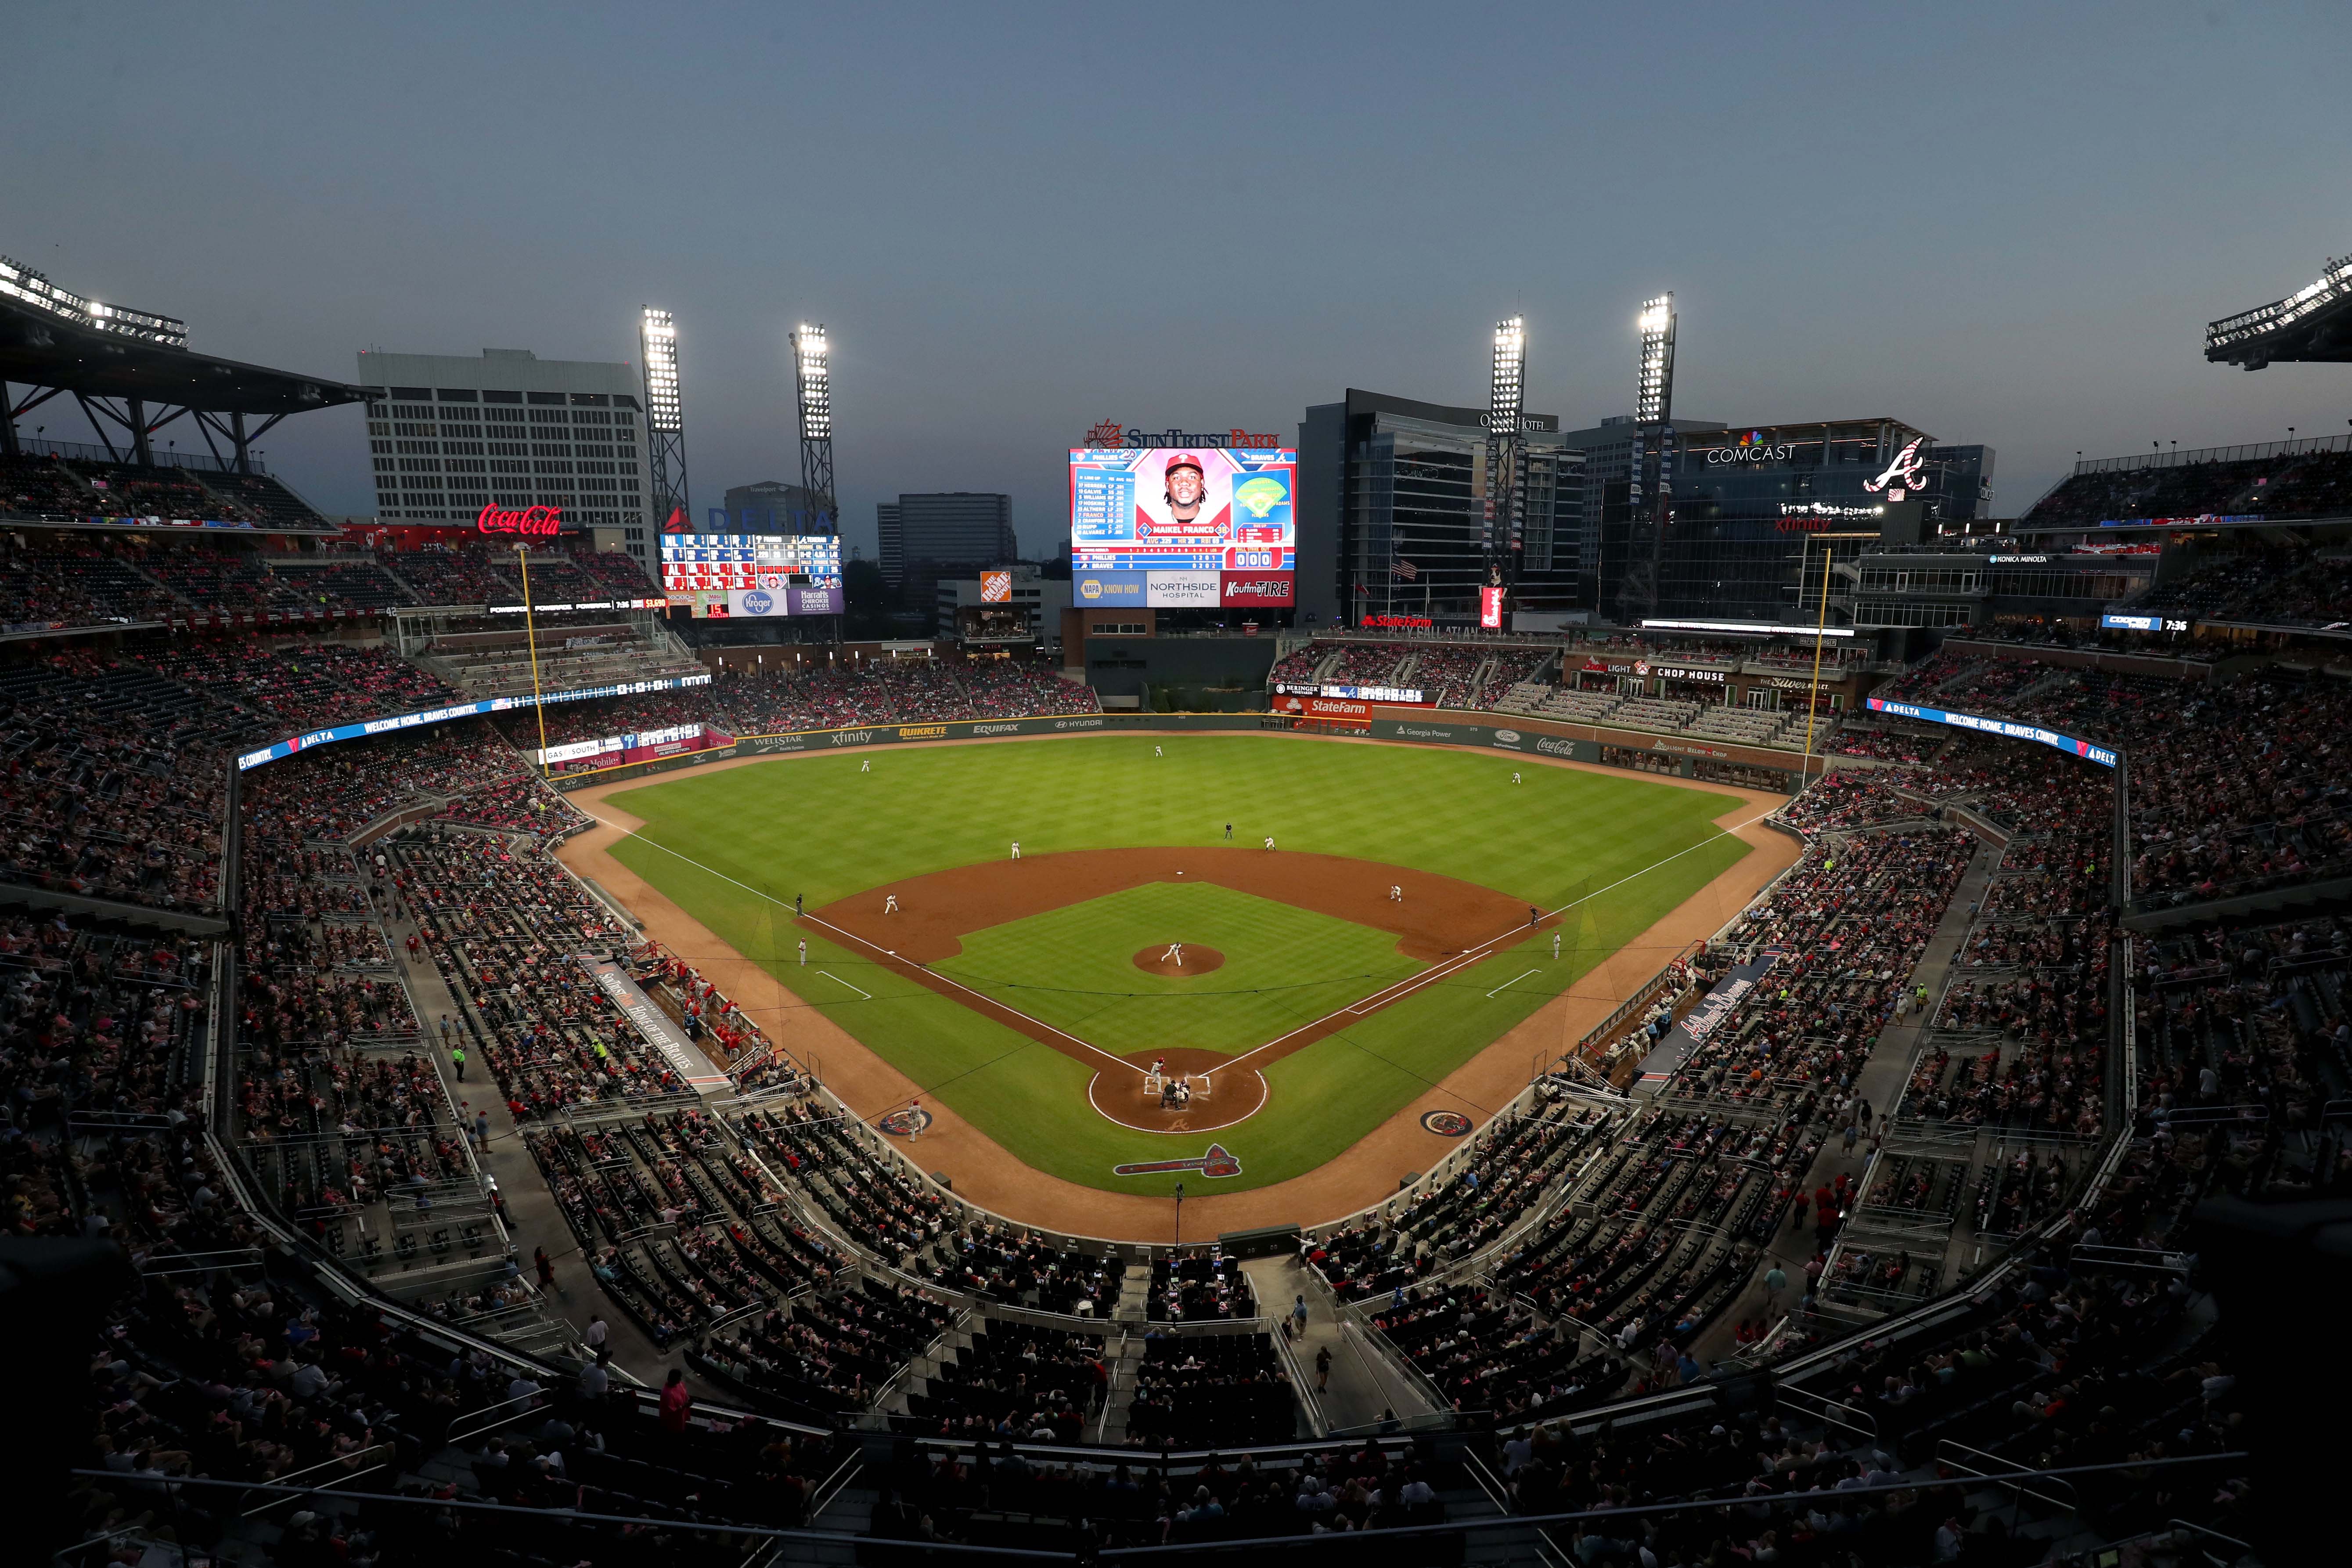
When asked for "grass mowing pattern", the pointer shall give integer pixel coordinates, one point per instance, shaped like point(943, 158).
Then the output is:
point(1073, 967)
point(815, 825)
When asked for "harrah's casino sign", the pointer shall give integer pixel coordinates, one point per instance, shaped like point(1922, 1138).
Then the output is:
point(1110, 433)
point(528, 519)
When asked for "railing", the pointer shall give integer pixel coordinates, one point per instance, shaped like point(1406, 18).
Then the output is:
point(2180, 460)
point(338, 1461)
point(91, 452)
point(1834, 1412)
point(529, 1401)
point(1308, 1401)
point(1946, 1450)
point(822, 1495)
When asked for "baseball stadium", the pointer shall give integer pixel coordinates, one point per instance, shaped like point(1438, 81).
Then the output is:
point(529, 1042)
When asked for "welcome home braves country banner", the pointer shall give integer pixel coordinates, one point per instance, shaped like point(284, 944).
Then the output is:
point(293, 743)
point(654, 1024)
point(1701, 1021)
point(2100, 754)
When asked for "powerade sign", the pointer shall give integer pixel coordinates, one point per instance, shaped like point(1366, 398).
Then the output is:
point(361, 731)
point(2102, 755)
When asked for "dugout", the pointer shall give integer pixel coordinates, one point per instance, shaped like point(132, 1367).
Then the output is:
point(1266, 1241)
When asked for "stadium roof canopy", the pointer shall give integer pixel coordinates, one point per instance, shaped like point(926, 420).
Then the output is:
point(133, 369)
point(2312, 324)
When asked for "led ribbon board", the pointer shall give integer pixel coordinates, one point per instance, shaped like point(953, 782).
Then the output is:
point(366, 727)
point(2100, 754)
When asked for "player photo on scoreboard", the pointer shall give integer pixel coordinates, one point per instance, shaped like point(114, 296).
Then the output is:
point(1180, 500)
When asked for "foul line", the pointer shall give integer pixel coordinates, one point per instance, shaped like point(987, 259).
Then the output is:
point(1379, 999)
point(1514, 980)
point(837, 980)
point(1487, 949)
point(886, 952)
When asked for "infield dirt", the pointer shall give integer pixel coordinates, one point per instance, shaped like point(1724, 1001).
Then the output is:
point(986, 1174)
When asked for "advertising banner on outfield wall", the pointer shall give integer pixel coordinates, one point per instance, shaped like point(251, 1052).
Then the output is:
point(1330, 712)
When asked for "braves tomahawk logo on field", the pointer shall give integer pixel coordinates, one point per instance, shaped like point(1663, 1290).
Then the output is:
point(1215, 1162)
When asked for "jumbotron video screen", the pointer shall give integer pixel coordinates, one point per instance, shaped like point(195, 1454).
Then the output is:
point(1177, 508)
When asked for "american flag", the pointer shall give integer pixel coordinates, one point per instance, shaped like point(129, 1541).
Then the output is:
point(1399, 567)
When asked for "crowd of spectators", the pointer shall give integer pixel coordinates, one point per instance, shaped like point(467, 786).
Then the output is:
point(331, 792)
point(501, 924)
point(112, 783)
point(1004, 1498)
point(1513, 1163)
point(301, 686)
point(2277, 587)
point(2287, 484)
point(895, 691)
point(58, 581)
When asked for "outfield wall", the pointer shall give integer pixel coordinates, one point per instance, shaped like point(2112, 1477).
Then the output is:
point(1634, 749)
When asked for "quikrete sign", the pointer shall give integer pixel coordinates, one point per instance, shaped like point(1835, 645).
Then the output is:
point(1110, 433)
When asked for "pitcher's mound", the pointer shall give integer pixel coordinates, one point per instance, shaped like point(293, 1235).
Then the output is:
point(1197, 961)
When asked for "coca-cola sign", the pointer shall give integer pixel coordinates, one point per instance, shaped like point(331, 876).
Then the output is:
point(535, 519)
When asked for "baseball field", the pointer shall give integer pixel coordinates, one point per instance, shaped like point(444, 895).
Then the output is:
point(1405, 920)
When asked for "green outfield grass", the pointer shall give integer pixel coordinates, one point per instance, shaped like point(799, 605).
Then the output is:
point(1072, 968)
point(733, 847)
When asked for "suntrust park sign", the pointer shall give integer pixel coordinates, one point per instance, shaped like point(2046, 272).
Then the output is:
point(1110, 433)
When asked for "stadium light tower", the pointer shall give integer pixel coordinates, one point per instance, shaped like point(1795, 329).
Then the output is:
point(665, 420)
point(1505, 408)
point(1649, 491)
point(812, 369)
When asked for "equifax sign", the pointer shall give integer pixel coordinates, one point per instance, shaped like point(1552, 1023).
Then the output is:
point(532, 519)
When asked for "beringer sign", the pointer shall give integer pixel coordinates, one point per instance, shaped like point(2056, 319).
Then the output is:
point(538, 519)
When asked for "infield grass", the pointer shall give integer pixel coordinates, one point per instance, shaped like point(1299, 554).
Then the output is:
point(732, 847)
point(1074, 967)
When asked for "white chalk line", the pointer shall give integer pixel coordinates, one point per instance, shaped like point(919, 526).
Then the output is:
point(1514, 980)
point(861, 942)
point(1377, 1000)
point(837, 980)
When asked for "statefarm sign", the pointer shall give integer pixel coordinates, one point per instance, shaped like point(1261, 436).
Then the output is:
point(1111, 433)
point(531, 520)
point(1334, 711)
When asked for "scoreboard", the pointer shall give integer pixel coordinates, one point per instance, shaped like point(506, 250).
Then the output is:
point(719, 563)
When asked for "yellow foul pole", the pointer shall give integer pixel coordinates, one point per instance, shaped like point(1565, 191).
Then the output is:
point(1813, 697)
point(530, 636)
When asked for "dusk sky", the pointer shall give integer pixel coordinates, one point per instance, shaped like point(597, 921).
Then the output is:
point(2002, 224)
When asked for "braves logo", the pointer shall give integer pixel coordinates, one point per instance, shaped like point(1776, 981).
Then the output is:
point(1903, 473)
point(1215, 1162)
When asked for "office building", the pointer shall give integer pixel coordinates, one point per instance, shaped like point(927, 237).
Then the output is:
point(964, 528)
point(1753, 516)
point(925, 538)
point(450, 434)
point(1391, 513)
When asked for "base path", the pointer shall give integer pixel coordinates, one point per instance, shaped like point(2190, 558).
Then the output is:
point(1362, 1174)
point(906, 926)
